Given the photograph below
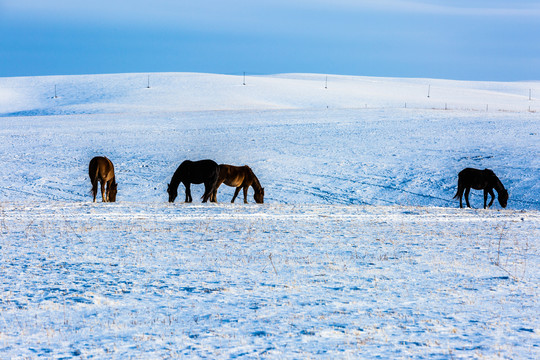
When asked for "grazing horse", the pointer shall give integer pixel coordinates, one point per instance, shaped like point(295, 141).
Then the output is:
point(241, 177)
point(480, 180)
point(102, 169)
point(194, 172)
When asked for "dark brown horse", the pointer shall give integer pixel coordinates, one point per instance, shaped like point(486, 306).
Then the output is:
point(194, 172)
point(241, 177)
point(480, 180)
point(101, 169)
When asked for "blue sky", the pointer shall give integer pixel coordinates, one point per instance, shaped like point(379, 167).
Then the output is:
point(469, 40)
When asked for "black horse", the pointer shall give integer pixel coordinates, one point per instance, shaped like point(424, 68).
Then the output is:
point(194, 172)
point(480, 180)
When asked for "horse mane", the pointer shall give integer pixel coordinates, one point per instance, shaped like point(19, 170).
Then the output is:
point(177, 177)
point(497, 184)
point(256, 184)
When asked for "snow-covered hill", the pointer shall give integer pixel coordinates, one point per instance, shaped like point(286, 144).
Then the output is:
point(358, 141)
point(358, 252)
point(210, 92)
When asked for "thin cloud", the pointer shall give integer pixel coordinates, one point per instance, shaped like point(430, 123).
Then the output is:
point(170, 9)
point(458, 8)
point(263, 16)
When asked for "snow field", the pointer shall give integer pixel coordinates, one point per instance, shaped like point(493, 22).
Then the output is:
point(279, 281)
point(358, 252)
point(376, 157)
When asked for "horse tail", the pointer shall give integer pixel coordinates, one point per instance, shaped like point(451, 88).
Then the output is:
point(211, 189)
point(93, 170)
point(460, 188)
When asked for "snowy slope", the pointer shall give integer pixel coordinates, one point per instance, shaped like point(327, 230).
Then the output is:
point(358, 252)
point(203, 92)
point(353, 143)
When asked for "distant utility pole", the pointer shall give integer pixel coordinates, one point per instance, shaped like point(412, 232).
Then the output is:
point(148, 87)
point(326, 82)
point(55, 92)
point(428, 90)
point(244, 82)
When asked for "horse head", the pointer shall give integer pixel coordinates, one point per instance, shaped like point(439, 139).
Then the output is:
point(259, 196)
point(173, 193)
point(503, 197)
point(113, 189)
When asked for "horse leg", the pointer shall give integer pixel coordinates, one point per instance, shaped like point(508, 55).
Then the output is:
point(207, 192)
point(94, 189)
point(459, 194)
point(107, 190)
point(492, 198)
point(467, 191)
point(213, 195)
point(188, 192)
point(245, 194)
point(213, 198)
point(103, 191)
point(236, 193)
point(210, 189)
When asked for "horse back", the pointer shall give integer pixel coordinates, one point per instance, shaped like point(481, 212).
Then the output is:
point(101, 168)
point(235, 175)
point(196, 172)
point(477, 179)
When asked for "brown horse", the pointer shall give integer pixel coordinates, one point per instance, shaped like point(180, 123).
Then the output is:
point(480, 180)
point(241, 177)
point(101, 169)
